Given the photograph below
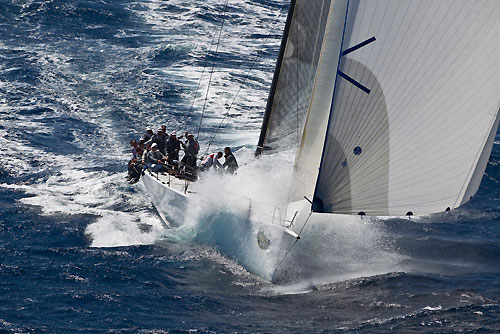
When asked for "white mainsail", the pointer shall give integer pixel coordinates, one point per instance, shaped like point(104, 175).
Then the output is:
point(402, 110)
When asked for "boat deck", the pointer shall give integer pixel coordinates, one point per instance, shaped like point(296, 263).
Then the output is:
point(175, 183)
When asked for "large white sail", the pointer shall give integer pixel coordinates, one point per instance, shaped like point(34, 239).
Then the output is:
point(415, 107)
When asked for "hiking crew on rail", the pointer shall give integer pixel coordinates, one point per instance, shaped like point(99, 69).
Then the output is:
point(159, 152)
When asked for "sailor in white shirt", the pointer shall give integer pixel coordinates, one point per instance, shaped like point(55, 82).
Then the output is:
point(211, 160)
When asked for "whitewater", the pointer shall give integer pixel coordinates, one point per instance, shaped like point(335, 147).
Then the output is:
point(85, 252)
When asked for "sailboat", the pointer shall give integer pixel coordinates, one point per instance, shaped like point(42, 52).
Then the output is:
point(391, 108)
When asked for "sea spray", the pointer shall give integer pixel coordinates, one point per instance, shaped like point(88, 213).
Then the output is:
point(338, 247)
point(228, 211)
point(221, 213)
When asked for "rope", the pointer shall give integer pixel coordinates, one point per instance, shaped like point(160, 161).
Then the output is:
point(212, 70)
point(243, 83)
point(297, 239)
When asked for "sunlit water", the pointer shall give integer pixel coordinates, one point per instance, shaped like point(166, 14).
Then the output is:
point(82, 251)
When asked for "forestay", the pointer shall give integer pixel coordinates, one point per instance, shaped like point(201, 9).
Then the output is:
point(414, 110)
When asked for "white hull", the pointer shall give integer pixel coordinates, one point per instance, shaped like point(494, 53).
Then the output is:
point(169, 196)
point(248, 232)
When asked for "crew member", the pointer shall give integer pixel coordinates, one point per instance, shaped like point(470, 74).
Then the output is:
point(133, 144)
point(230, 163)
point(173, 147)
point(191, 149)
point(160, 139)
point(134, 165)
point(149, 134)
point(154, 159)
point(134, 171)
point(211, 160)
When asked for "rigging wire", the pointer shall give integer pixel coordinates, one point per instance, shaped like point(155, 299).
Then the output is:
point(257, 56)
point(297, 239)
point(204, 68)
point(212, 69)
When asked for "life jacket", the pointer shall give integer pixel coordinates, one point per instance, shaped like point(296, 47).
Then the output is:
point(208, 157)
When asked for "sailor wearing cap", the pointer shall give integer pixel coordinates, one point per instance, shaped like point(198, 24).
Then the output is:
point(191, 149)
point(154, 159)
point(149, 134)
point(173, 147)
point(160, 139)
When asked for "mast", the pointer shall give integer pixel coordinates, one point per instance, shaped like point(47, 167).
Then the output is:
point(269, 105)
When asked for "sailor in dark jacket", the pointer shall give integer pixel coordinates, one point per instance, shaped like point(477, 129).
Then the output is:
point(230, 163)
point(161, 140)
point(173, 147)
point(147, 137)
point(191, 149)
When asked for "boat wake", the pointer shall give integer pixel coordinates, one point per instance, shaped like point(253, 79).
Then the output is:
point(328, 251)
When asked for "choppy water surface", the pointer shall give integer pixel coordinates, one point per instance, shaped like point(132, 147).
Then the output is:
point(84, 252)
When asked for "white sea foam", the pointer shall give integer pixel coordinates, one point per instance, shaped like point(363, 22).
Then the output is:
point(74, 191)
point(235, 42)
point(74, 185)
point(433, 308)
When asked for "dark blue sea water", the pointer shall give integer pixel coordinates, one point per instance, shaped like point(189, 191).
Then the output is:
point(82, 251)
